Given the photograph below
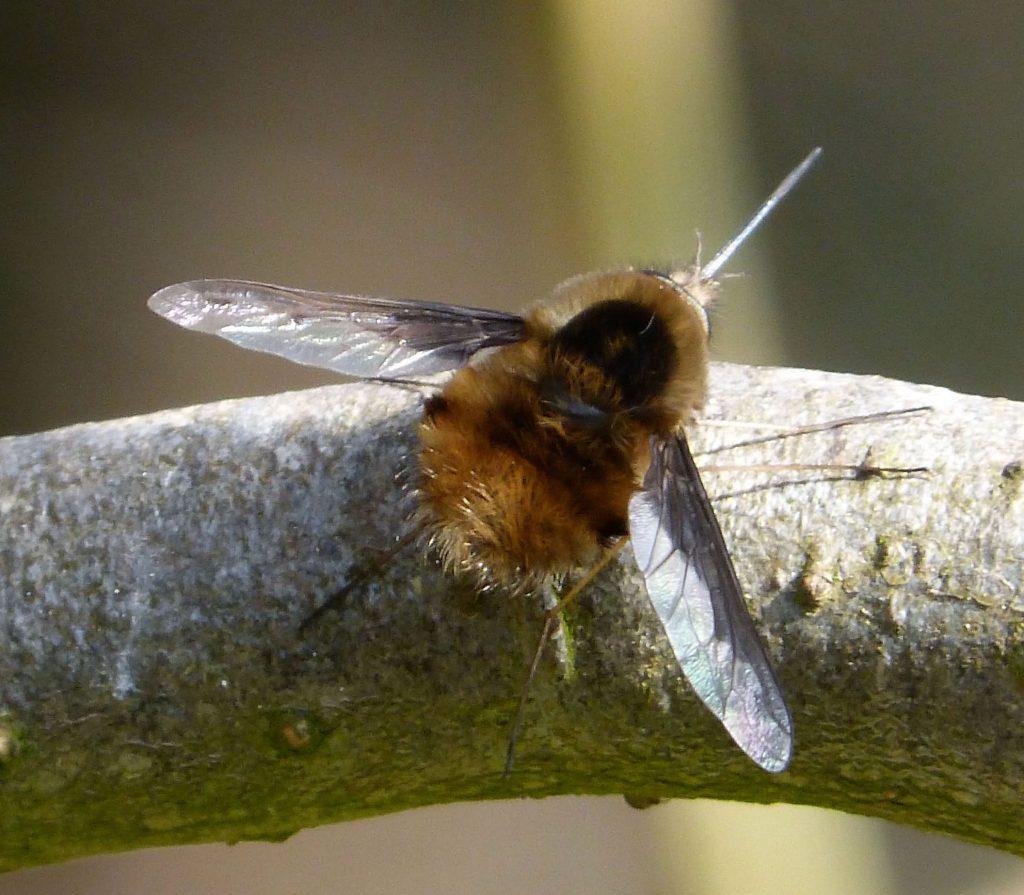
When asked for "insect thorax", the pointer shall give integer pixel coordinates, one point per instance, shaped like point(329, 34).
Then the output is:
point(531, 455)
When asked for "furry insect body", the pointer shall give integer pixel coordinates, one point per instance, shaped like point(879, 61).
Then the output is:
point(558, 434)
point(531, 454)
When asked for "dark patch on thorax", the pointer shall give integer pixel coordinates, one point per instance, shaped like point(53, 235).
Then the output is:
point(626, 341)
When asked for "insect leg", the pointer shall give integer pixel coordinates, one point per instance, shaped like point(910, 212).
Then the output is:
point(857, 470)
point(360, 576)
point(410, 384)
point(817, 427)
point(591, 574)
point(510, 752)
point(552, 617)
point(703, 422)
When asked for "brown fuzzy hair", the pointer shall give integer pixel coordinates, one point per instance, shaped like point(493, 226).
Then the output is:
point(514, 492)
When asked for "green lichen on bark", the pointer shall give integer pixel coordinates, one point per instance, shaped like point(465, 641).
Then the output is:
point(155, 687)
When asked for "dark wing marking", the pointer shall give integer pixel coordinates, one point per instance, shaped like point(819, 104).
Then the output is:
point(351, 334)
point(692, 584)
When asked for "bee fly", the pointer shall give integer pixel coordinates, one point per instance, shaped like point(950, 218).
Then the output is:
point(546, 452)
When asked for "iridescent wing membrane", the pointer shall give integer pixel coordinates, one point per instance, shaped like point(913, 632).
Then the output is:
point(691, 582)
point(372, 338)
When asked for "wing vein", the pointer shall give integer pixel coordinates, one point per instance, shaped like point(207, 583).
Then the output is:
point(372, 338)
point(696, 594)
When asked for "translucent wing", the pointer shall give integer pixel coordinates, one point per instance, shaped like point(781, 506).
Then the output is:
point(351, 334)
point(692, 584)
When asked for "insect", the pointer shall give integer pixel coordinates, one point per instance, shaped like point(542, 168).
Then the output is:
point(559, 435)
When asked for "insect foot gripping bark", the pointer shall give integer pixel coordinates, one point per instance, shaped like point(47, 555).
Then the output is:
point(564, 438)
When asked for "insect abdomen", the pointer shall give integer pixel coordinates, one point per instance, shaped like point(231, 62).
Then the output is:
point(506, 493)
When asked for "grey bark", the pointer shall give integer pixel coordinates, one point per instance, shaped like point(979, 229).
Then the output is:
point(155, 687)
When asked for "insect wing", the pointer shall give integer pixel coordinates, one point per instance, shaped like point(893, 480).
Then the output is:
point(350, 334)
point(691, 582)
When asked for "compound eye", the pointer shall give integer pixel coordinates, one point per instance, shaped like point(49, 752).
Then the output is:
point(702, 311)
point(661, 275)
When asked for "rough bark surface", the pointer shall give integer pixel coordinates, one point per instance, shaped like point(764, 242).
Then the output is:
point(155, 687)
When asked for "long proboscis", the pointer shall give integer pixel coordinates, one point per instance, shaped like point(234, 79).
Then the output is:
point(708, 271)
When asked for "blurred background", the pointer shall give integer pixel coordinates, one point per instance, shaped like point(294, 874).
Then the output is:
point(480, 153)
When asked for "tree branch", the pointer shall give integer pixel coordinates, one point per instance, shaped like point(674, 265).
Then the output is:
point(154, 687)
